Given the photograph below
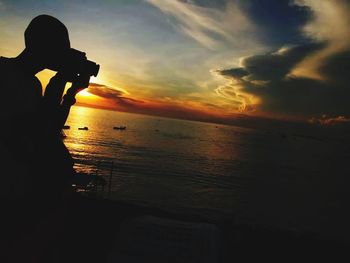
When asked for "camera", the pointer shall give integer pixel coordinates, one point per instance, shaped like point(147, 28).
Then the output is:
point(75, 63)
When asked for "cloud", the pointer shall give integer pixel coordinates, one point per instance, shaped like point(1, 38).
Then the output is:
point(167, 108)
point(330, 121)
point(113, 94)
point(276, 65)
point(236, 73)
point(330, 23)
point(209, 26)
point(277, 22)
point(306, 80)
point(267, 78)
point(104, 91)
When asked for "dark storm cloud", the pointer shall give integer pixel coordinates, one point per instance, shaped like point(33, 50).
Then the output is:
point(267, 77)
point(276, 65)
point(279, 22)
point(337, 67)
point(236, 73)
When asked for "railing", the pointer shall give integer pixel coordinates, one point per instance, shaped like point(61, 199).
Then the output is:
point(105, 170)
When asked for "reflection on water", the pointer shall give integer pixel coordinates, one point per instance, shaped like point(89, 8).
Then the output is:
point(216, 170)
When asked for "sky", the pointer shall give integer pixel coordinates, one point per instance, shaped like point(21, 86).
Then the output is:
point(204, 59)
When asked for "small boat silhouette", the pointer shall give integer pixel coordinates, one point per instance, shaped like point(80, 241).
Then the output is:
point(119, 128)
point(83, 128)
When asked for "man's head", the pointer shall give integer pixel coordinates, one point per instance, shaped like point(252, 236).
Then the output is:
point(47, 40)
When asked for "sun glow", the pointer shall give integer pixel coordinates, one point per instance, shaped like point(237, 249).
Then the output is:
point(85, 93)
point(85, 96)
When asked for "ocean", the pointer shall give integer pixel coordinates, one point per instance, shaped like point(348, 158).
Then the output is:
point(288, 181)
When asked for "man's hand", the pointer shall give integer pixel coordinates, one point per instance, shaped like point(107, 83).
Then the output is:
point(66, 76)
point(79, 83)
point(55, 88)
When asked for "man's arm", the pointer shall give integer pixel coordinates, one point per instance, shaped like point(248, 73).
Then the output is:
point(52, 102)
point(57, 107)
point(54, 90)
point(80, 83)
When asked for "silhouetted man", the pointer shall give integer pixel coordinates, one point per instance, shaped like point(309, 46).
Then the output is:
point(38, 166)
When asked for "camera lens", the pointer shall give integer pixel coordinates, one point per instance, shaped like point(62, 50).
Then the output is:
point(92, 68)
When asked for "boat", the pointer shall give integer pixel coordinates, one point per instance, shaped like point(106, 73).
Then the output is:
point(119, 128)
point(83, 128)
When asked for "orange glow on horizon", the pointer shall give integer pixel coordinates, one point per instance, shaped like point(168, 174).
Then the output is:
point(167, 108)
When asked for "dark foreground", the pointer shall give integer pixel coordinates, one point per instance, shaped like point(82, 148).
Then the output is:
point(91, 230)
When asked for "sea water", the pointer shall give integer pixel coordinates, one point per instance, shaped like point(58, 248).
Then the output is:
point(289, 181)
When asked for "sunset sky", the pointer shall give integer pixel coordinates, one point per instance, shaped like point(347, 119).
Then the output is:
point(204, 59)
